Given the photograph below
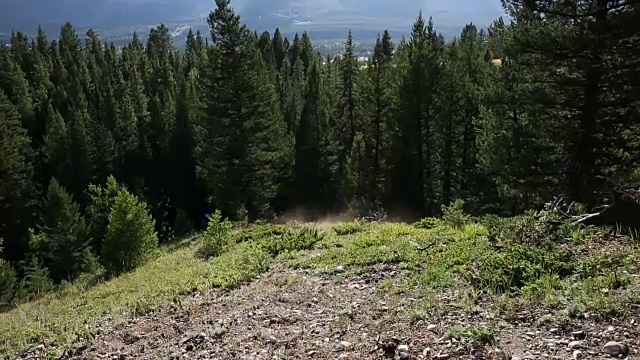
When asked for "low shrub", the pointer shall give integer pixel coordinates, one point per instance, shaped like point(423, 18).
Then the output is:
point(350, 228)
point(428, 223)
point(293, 239)
point(217, 236)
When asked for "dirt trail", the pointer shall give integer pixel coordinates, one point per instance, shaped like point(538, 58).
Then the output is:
point(292, 314)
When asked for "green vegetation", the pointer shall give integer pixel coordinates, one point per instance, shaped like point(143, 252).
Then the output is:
point(484, 258)
point(131, 237)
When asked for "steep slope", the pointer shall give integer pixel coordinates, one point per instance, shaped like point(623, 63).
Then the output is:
point(360, 291)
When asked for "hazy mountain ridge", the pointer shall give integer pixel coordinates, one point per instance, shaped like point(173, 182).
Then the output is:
point(328, 19)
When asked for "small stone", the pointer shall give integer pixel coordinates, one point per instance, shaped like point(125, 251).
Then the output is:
point(403, 355)
point(345, 344)
point(578, 335)
point(610, 329)
point(516, 358)
point(578, 355)
point(403, 348)
point(426, 352)
point(442, 357)
point(614, 349)
point(270, 339)
point(554, 330)
point(577, 344)
point(311, 353)
point(340, 268)
point(431, 327)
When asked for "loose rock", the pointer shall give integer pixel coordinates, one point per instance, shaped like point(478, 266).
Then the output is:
point(615, 348)
point(345, 344)
point(270, 339)
point(578, 355)
point(577, 344)
point(579, 335)
point(432, 327)
point(403, 348)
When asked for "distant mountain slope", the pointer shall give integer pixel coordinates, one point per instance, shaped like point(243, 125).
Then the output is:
point(326, 19)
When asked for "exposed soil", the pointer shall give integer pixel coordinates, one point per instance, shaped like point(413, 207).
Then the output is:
point(293, 314)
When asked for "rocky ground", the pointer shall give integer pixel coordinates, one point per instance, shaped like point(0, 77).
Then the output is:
point(293, 314)
point(390, 291)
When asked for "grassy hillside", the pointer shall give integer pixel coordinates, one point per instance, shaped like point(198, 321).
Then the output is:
point(507, 265)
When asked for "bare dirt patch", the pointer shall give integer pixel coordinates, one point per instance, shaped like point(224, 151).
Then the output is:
point(294, 314)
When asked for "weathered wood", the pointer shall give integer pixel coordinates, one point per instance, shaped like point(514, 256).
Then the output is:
point(624, 212)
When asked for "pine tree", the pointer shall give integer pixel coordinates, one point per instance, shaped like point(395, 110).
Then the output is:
point(378, 109)
point(414, 174)
point(517, 147)
point(241, 145)
point(349, 74)
point(265, 44)
point(17, 191)
point(579, 54)
point(14, 84)
point(307, 174)
point(131, 238)
point(279, 49)
point(8, 282)
point(101, 201)
point(62, 239)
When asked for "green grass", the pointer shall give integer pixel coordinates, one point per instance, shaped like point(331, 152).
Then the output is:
point(515, 262)
point(71, 316)
point(478, 335)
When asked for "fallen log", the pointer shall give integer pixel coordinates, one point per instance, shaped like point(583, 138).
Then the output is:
point(624, 212)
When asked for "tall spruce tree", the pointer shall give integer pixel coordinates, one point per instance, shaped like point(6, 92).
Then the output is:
point(62, 240)
point(240, 142)
point(17, 191)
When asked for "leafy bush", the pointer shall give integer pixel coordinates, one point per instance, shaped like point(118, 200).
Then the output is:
point(131, 237)
point(549, 289)
point(517, 265)
point(217, 236)
point(428, 223)
point(244, 263)
point(350, 228)
point(258, 233)
point(293, 239)
point(530, 228)
point(454, 215)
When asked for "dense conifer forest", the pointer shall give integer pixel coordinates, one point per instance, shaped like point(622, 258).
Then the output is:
point(107, 151)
